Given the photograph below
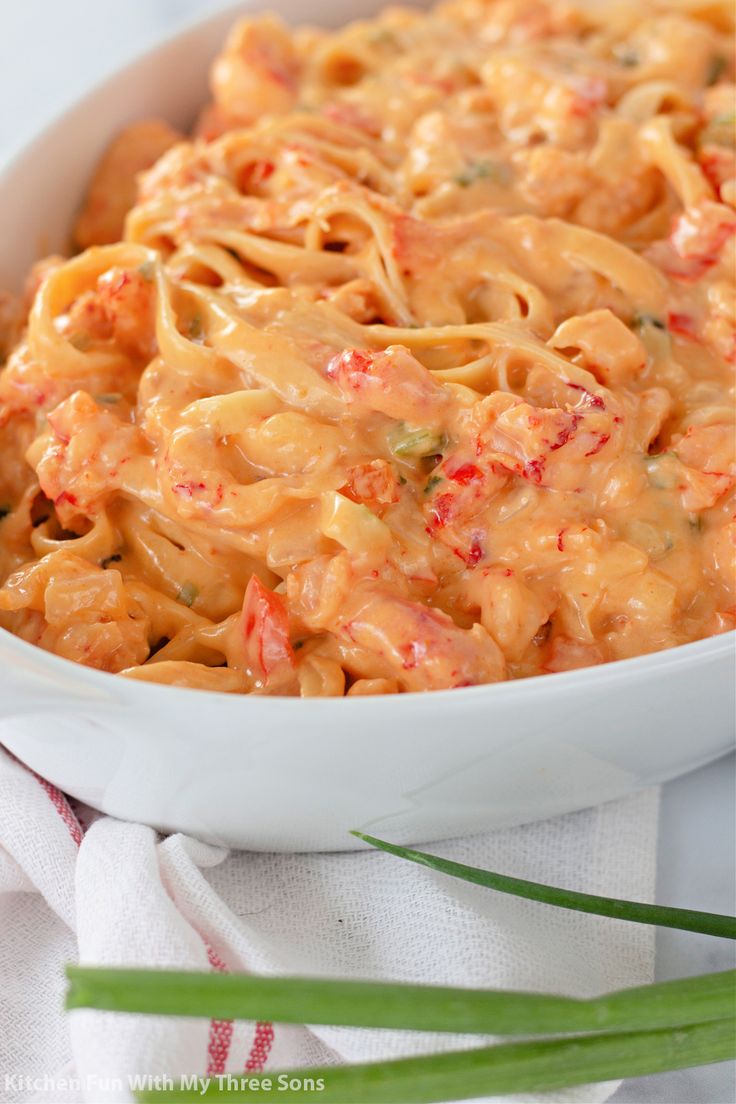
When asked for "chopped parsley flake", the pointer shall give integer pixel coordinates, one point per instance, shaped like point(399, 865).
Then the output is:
point(639, 321)
point(382, 37)
point(716, 69)
point(627, 57)
point(720, 131)
point(483, 170)
point(147, 270)
point(188, 594)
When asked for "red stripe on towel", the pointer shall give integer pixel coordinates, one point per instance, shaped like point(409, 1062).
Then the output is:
point(221, 1031)
point(63, 808)
point(57, 799)
point(261, 1048)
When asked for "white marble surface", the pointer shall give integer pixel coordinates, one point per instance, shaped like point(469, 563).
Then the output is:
point(51, 53)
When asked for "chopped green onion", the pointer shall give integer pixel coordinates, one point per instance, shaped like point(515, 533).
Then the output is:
point(720, 131)
point(650, 538)
point(147, 270)
point(483, 170)
point(708, 923)
point(382, 37)
point(526, 1068)
point(626, 55)
point(716, 69)
point(188, 594)
point(195, 327)
point(654, 336)
point(109, 398)
point(640, 321)
point(408, 441)
point(432, 483)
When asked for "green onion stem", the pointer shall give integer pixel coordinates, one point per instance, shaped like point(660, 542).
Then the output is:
point(707, 923)
point(399, 1006)
point(527, 1067)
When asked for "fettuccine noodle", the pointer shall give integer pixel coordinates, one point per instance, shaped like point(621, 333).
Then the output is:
point(412, 369)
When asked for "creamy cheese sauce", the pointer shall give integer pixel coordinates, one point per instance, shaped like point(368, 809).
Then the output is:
point(412, 369)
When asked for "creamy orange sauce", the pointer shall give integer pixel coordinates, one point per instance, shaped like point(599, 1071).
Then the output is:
point(412, 369)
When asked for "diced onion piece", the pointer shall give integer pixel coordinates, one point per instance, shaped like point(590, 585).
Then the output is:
point(353, 525)
point(655, 542)
point(663, 471)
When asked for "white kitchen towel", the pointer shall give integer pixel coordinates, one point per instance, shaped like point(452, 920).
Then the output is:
point(75, 886)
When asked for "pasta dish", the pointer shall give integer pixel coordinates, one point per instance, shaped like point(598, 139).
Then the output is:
point(411, 368)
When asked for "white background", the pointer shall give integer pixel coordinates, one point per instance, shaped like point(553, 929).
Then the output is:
point(52, 51)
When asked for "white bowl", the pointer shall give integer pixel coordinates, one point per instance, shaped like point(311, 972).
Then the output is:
point(287, 774)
